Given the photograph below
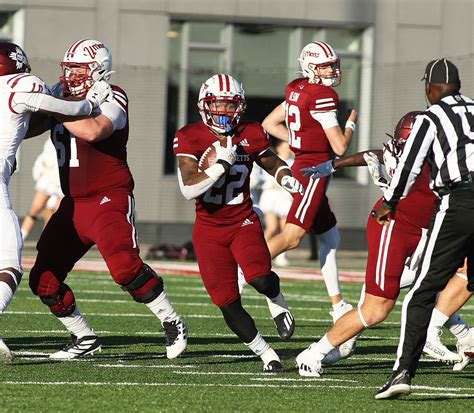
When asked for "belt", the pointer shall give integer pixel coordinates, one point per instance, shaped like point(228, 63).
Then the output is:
point(465, 184)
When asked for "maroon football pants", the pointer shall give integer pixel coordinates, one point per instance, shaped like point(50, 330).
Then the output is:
point(107, 221)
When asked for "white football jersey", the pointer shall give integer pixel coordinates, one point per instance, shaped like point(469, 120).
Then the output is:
point(14, 121)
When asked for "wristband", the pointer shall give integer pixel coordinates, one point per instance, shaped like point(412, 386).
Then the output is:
point(280, 169)
point(351, 125)
point(215, 171)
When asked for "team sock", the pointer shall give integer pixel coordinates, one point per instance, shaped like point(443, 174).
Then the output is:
point(163, 309)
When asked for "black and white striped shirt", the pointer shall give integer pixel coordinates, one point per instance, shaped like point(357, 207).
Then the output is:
point(443, 135)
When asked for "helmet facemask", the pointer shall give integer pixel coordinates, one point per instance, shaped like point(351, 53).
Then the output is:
point(222, 114)
point(76, 78)
point(320, 75)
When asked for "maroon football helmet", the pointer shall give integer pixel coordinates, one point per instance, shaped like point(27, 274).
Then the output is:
point(12, 59)
point(393, 149)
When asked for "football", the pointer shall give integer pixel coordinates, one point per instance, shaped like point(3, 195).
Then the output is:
point(208, 158)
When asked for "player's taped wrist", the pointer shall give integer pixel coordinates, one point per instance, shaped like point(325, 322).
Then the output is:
point(350, 125)
point(281, 168)
point(217, 170)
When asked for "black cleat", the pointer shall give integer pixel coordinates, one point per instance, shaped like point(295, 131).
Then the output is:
point(273, 366)
point(285, 324)
point(78, 347)
point(398, 384)
point(176, 334)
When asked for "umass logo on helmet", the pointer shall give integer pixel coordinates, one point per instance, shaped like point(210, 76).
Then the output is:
point(19, 57)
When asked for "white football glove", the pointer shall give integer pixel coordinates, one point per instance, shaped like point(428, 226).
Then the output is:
point(291, 184)
point(226, 154)
point(375, 170)
point(319, 171)
point(99, 93)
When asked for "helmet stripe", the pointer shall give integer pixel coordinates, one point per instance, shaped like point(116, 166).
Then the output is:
point(74, 47)
point(326, 48)
point(227, 83)
point(221, 85)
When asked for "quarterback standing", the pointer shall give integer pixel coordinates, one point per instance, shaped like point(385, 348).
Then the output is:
point(307, 119)
point(227, 231)
point(98, 208)
point(22, 93)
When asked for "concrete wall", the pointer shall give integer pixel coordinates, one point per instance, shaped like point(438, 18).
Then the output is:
point(407, 34)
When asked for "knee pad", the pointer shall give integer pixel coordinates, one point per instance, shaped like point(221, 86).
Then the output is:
point(146, 286)
point(63, 303)
point(268, 285)
point(45, 282)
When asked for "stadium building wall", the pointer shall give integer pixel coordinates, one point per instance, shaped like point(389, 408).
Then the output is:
point(401, 36)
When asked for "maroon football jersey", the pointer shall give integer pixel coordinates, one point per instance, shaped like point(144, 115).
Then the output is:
point(87, 168)
point(419, 206)
point(306, 135)
point(228, 200)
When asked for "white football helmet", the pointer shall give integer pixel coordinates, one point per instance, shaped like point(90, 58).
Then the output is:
point(316, 56)
point(217, 89)
point(91, 55)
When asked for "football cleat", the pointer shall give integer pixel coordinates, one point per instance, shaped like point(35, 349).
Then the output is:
point(6, 355)
point(309, 363)
point(344, 351)
point(176, 334)
point(78, 347)
point(340, 311)
point(285, 325)
point(273, 366)
point(398, 384)
point(436, 349)
point(466, 351)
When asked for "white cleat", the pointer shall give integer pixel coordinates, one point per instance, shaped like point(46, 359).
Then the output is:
point(176, 334)
point(309, 363)
point(434, 348)
point(337, 314)
point(78, 347)
point(6, 355)
point(466, 351)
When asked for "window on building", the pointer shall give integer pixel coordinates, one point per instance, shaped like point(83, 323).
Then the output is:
point(6, 25)
point(261, 56)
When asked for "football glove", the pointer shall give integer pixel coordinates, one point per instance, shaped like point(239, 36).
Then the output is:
point(375, 170)
point(291, 184)
point(99, 93)
point(226, 155)
point(319, 171)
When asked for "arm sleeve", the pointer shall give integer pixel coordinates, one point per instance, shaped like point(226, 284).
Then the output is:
point(22, 102)
point(326, 119)
point(194, 191)
point(414, 153)
point(114, 113)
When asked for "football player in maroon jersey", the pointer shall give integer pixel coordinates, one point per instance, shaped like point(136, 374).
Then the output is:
point(98, 208)
point(307, 119)
point(389, 248)
point(227, 231)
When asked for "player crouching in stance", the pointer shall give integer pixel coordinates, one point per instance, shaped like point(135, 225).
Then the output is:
point(98, 208)
point(21, 94)
point(227, 231)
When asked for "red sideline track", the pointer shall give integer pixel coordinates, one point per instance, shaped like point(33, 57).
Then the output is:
point(191, 269)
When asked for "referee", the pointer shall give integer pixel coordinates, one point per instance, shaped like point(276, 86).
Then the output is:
point(443, 134)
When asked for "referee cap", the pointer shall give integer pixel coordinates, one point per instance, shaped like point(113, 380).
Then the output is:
point(441, 71)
